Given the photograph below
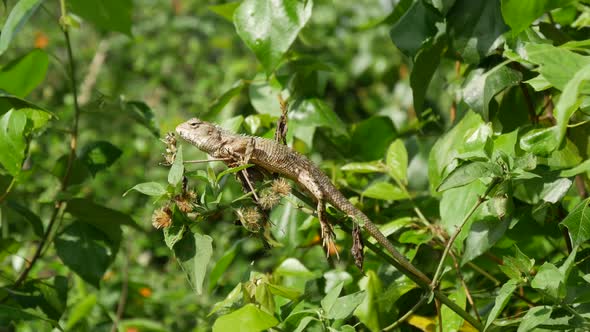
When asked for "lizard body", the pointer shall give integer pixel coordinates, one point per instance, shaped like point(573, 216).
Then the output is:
point(280, 159)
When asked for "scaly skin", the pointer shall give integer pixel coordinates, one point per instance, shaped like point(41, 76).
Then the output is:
point(281, 159)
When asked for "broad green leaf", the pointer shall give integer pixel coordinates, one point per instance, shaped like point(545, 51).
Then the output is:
point(547, 187)
point(482, 236)
point(308, 114)
point(81, 243)
point(385, 191)
point(482, 86)
point(371, 308)
point(233, 297)
point(110, 15)
point(174, 233)
point(425, 64)
point(535, 317)
point(286, 292)
point(232, 124)
point(12, 141)
point(519, 14)
point(263, 94)
point(222, 264)
point(365, 167)
point(107, 220)
point(414, 28)
point(473, 27)
point(578, 222)
point(78, 172)
point(29, 216)
point(10, 313)
point(470, 172)
point(331, 297)
point(99, 155)
point(557, 65)
point(567, 155)
point(470, 129)
point(17, 18)
point(515, 266)
point(81, 310)
point(55, 295)
point(579, 169)
point(539, 83)
point(149, 188)
point(400, 9)
point(450, 320)
point(454, 206)
point(24, 74)
point(11, 101)
point(345, 305)
point(142, 114)
point(368, 146)
point(246, 319)
point(177, 170)
point(397, 161)
point(550, 279)
point(501, 300)
point(193, 253)
point(270, 27)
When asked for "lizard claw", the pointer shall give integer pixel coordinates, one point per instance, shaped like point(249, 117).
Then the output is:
point(328, 235)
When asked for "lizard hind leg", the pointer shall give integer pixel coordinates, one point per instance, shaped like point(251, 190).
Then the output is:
point(327, 231)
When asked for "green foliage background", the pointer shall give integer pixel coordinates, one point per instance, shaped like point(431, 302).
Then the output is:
point(457, 124)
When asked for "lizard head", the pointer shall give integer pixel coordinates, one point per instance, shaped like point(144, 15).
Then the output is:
point(200, 133)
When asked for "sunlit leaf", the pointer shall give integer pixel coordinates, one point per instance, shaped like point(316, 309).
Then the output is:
point(17, 18)
point(246, 319)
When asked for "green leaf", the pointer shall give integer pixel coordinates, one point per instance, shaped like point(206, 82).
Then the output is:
point(269, 28)
point(17, 18)
point(54, 295)
point(82, 243)
point(232, 170)
point(482, 236)
point(482, 86)
point(578, 223)
point(193, 253)
point(450, 320)
point(24, 74)
point(519, 14)
point(368, 146)
point(13, 314)
point(547, 187)
point(177, 170)
point(149, 188)
point(397, 161)
point(225, 10)
point(263, 94)
point(535, 317)
point(366, 167)
point(110, 15)
point(81, 310)
point(142, 114)
point(331, 297)
point(174, 233)
point(454, 206)
point(425, 64)
point(345, 305)
point(286, 292)
point(222, 264)
point(233, 297)
point(453, 145)
point(12, 141)
point(501, 300)
point(376, 303)
point(579, 169)
point(29, 216)
point(385, 191)
point(99, 156)
point(308, 114)
point(550, 280)
point(246, 319)
point(107, 220)
point(473, 27)
point(18, 103)
point(414, 28)
point(515, 266)
point(468, 173)
point(557, 65)
point(142, 324)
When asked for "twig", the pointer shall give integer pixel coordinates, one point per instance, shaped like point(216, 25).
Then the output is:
point(407, 314)
point(205, 160)
point(90, 79)
point(464, 285)
point(124, 292)
point(8, 189)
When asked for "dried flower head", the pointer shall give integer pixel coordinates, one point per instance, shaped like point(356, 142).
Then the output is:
point(268, 199)
point(281, 186)
point(162, 218)
point(250, 217)
point(183, 203)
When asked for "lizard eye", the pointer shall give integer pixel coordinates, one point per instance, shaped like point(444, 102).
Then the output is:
point(194, 123)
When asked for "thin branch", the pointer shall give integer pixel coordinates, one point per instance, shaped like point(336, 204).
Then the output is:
point(407, 314)
point(124, 292)
point(8, 189)
point(464, 285)
point(95, 65)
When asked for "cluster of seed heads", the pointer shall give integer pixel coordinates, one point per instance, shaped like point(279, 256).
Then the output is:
point(270, 197)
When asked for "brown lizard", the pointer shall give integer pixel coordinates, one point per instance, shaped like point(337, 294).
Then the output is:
point(278, 158)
